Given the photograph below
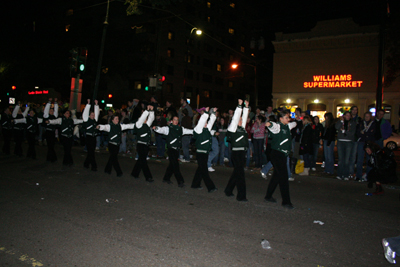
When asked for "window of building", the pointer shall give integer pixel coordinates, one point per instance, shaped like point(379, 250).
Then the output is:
point(189, 74)
point(219, 67)
point(188, 58)
point(232, 5)
point(207, 63)
point(219, 95)
point(206, 94)
point(209, 19)
point(138, 85)
point(69, 12)
point(230, 84)
point(170, 52)
point(170, 88)
point(198, 60)
point(171, 35)
point(208, 4)
point(242, 49)
point(231, 57)
point(219, 81)
point(207, 78)
point(67, 27)
point(170, 70)
point(198, 76)
point(231, 31)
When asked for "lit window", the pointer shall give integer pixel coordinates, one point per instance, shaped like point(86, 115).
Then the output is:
point(219, 67)
point(69, 12)
point(206, 94)
point(138, 85)
point(208, 4)
point(209, 19)
point(231, 31)
point(230, 84)
point(242, 49)
point(170, 36)
point(170, 52)
point(232, 5)
point(67, 27)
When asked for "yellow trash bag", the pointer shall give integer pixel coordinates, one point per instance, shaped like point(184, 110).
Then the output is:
point(299, 166)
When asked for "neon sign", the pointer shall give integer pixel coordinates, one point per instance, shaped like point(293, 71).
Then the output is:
point(332, 81)
point(42, 92)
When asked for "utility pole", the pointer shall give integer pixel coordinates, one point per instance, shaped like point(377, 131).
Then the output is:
point(381, 60)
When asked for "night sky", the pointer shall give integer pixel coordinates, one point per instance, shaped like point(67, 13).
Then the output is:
point(33, 53)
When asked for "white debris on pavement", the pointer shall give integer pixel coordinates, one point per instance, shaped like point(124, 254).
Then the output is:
point(319, 222)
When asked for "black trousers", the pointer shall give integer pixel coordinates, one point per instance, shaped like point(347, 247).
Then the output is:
point(141, 163)
point(173, 167)
point(113, 159)
point(18, 137)
point(238, 158)
point(7, 139)
point(280, 176)
point(90, 146)
point(202, 172)
point(31, 144)
point(67, 143)
point(51, 140)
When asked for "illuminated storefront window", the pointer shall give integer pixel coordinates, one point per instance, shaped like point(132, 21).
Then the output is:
point(340, 110)
point(291, 107)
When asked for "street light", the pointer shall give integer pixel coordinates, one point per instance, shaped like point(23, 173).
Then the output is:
point(235, 66)
point(198, 32)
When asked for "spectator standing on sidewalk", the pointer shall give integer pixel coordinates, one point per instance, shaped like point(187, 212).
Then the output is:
point(318, 130)
point(186, 123)
point(346, 137)
point(6, 130)
point(365, 133)
point(383, 129)
point(258, 131)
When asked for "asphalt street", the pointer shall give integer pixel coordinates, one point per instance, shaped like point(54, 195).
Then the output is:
point(51, 215)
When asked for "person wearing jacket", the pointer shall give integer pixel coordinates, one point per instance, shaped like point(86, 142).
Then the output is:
point(258, 131)
point(222, 130)
point(203, 136)
point(114, 128)
point(318, 130)
point(281, 146)
point(66, 131)
point(383, 129)
point(173, 134)
point(383, 166)
point(160, 121)
point(50, 130)
point(237, 136)
point(329, 137)
point(143, 132)
point(19, 128)
point(306, 145)
point(90, 119)
point(346, 134)
point(31, 122)
point(365, 132)
point(6, 130)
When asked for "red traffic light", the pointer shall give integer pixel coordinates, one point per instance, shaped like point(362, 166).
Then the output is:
point(110, 95)
point(161, 79)
point(13, 87)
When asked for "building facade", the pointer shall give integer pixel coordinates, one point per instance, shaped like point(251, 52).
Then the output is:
point(331, 68)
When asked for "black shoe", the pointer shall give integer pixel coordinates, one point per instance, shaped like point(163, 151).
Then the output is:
point(213, 190)
point(109, 172)
point(242, 200)
point(86, 166)
point(181, 185)
point(288, 206)
point(167, 182)
point(120, 174)
point(94, 169)
point(270, 199)
point(229, 194)
point(197, 187)
point(149, 180)
point(134, 176)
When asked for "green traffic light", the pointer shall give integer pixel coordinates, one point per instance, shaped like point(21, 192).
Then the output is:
point(102, 101)
point(82, 67)
point(8, 93)
point(146, 88)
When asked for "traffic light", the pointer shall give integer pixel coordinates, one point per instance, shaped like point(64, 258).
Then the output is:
point(82, 59)
point(102, 101)
point(160, 80)
point(73, 61)
point(146, 88)
point(109, 95)
point(13, 87)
